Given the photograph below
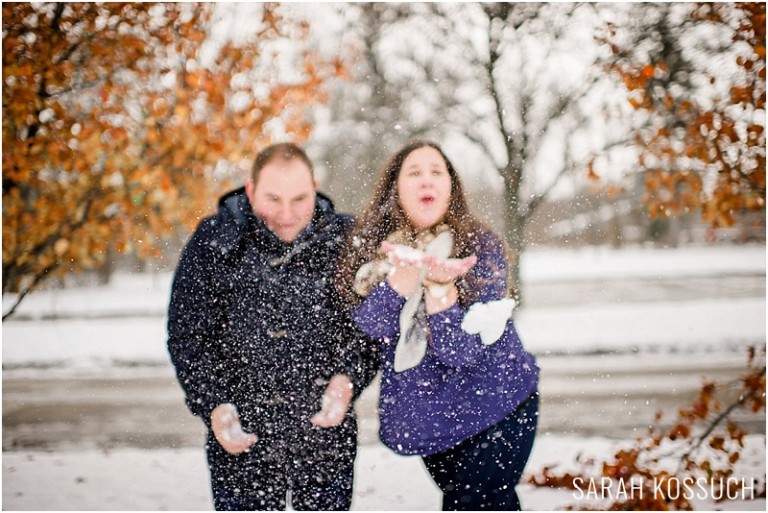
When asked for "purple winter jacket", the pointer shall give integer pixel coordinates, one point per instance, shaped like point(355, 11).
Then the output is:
point(461, 387)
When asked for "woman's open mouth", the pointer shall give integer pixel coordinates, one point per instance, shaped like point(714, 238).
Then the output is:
point(427, 200)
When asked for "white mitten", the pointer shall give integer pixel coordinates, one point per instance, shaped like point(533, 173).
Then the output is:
point(488, 319)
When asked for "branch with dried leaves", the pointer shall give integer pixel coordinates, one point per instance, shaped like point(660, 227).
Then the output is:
point(647, 460)
point(112, 123)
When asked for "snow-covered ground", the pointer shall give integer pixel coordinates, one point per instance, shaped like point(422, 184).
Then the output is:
point(569, 319)
point(177, 479)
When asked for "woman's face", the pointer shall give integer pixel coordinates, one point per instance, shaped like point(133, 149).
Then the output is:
point(424, 187)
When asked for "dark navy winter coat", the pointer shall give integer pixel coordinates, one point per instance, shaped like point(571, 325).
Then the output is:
point(254, 321)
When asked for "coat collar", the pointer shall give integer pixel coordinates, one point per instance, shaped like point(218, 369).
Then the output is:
point(238, 219)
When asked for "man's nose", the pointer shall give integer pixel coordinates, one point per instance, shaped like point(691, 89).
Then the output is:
point(283, 212)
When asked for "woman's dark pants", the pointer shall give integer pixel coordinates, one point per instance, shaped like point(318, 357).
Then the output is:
point(481, 472)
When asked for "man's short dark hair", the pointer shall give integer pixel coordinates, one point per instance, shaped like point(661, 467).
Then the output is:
point(282, 151)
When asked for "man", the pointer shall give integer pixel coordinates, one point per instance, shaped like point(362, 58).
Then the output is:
point(263, 352)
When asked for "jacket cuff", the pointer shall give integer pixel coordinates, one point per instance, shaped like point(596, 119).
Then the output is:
point(205, 405)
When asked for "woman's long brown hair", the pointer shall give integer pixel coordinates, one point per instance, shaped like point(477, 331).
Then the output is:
point(383, 215)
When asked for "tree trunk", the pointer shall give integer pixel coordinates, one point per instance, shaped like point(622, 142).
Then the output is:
point(514, 228)
point(107, 268)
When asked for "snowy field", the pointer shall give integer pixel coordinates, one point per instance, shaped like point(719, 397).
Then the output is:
point(580, 306)
point(125, 321)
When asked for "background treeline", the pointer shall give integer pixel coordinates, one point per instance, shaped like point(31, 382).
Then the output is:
point(570, 123)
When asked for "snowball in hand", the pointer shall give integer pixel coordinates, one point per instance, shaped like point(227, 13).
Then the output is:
point(405, 254)
point(226, 426)
point(332, 410)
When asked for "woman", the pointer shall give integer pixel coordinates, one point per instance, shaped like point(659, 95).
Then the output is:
point(428, 280)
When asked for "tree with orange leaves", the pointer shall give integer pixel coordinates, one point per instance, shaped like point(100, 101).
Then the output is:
point(118, 130)
point(703, 145)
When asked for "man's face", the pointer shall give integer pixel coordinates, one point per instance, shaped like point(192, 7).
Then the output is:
point(284, 197)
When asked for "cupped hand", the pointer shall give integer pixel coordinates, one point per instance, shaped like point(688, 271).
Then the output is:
point(336, 400)
point(406, 267)
point(402, 256)
point(225, 423)
point(445, 271)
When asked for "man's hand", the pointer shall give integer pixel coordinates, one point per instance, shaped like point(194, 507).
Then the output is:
point(336, 400)
point(225, 423)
